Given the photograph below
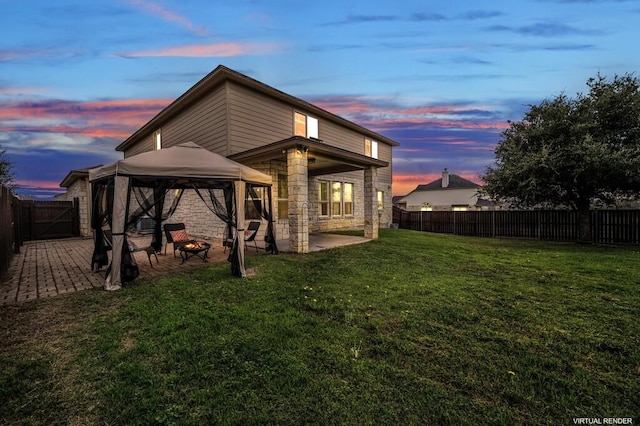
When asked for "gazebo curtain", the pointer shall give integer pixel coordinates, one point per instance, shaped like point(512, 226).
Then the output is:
point(151, 202)
point(264, 207)
point(159, 201)
point(100, 217)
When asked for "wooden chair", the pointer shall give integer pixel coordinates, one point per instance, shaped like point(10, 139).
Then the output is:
point(176, 234)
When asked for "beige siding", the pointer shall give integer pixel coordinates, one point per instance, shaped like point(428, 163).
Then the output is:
point(256, 120)
point(204, 123)
point(145, 145)
point(384, 154)
point(335, 135)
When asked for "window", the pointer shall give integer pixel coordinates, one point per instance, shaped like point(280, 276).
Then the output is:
point(283, 197)
point(336, 198)
point(323, 198)
point(250, 210)
point(347, 196)
point(460, 208)
point(305, 126)
point(371, 148)
point(312, 127)
point(380, 196)
point(157, 139)
point(300, 124)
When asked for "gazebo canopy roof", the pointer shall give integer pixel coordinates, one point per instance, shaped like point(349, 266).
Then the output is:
point(187, 160)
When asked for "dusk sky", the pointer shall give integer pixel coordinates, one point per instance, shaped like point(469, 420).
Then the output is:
point(440, 77)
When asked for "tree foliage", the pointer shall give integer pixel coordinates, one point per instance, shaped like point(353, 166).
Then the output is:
point(572, 152)
point(6, 171)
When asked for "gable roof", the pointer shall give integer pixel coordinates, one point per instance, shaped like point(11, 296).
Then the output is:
point(222, 74)
point(455, 182)
point(76, 174)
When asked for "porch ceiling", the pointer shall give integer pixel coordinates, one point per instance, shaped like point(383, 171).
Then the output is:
point(323, 159)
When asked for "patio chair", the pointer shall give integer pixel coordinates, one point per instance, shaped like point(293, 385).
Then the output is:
point(176, 234)
point(250, 234)
point(133, 247)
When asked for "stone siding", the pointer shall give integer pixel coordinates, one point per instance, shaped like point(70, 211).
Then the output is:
point(79, 189)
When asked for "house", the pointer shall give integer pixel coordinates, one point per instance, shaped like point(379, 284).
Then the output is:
point(450, 192)
point(327, 172)
point(77, 186)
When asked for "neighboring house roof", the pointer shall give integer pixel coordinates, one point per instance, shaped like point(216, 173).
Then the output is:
point(218, 76)
point(396, 198)
point(455, 182)
point(76, 174)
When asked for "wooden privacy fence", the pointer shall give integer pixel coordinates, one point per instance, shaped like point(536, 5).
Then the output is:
point(607, 226)
point(44, 220)
point(10, 235)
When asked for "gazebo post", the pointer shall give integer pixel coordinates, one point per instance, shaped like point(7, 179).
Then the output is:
point(240, 188)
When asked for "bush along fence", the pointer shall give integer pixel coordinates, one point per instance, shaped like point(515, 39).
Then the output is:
point(10, 235)
point(607, 226)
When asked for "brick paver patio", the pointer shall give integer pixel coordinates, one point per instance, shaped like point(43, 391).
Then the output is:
point(52, 267)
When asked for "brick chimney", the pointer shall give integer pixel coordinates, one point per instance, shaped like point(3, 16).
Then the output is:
point(445, 178)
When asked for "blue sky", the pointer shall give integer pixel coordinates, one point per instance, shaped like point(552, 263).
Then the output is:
point(442, 78)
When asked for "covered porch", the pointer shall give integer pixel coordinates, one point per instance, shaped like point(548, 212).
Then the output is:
point(309, 158)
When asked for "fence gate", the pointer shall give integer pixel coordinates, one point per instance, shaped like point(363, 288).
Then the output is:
point(44, 220)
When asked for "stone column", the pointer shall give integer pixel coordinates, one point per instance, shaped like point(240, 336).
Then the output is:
point(298, 187)
point(371, 220)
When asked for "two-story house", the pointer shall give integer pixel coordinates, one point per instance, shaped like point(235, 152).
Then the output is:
point(328, 172)
point(450, 192)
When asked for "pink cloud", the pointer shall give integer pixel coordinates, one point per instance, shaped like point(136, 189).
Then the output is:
point(115, 119)
point(40, 184)
point(207, 50)
point(378, 113)
point(170, 16)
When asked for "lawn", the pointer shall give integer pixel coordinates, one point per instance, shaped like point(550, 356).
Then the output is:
point(412, 328)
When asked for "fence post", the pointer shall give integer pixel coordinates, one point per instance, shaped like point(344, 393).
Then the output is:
point(493, 223)
point(76, 217)
point(454, 222)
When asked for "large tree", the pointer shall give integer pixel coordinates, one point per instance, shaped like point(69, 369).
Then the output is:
point(572, 152)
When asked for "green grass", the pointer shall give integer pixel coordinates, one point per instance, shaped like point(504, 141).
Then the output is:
point(412, 328)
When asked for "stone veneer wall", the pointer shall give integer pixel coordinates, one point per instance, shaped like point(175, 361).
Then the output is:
point(202, 223)
point(198, 219)
point(79, 189)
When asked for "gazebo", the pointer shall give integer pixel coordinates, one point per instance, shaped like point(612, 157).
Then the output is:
point(151, 185)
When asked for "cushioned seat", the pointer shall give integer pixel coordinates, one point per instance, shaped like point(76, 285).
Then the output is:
point(176, 234)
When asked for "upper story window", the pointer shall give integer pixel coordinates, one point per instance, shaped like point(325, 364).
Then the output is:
point(157, 139)
point(305, 125)
point(371, 148)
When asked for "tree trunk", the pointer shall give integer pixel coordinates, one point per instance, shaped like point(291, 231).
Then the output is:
point(584, 224)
